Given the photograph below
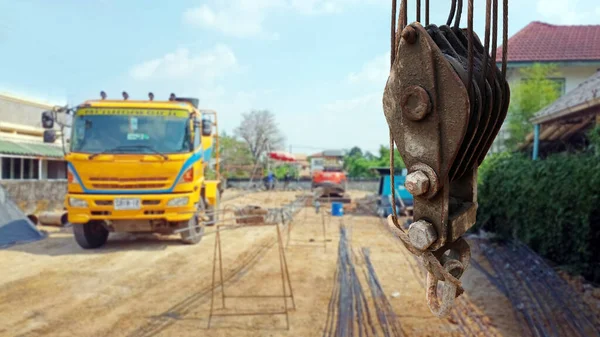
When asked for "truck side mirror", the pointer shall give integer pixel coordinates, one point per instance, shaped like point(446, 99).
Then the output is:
point(47, 120)
point(49, 136)
point(206, 127)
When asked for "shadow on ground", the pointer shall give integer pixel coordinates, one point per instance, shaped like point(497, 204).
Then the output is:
point(61, 242)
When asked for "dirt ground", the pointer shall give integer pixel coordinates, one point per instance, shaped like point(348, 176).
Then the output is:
point(156, 286)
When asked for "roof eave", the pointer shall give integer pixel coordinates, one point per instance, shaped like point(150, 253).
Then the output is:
point(559, 63)
point(565, 112)
point(26, 101)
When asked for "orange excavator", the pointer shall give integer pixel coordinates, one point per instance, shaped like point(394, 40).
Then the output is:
point(330, 183)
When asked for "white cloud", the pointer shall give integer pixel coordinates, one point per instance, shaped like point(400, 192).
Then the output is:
point(343, 123)
point(567, 12)
point(374, 71)
point(239, 18)
point(246, 18)
point(316, 6)
point(231, 104)
point(182, 64)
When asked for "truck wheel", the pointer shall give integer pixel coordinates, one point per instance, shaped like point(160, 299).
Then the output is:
point(90, 235)
point(194, 232)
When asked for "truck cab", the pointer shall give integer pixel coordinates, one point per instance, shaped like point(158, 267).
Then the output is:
point(404, 200)
point(139, 167)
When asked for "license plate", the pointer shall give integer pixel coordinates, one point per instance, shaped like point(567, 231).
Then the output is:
point(127, 203)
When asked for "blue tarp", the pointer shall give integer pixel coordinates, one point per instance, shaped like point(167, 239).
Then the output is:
point(15, 227)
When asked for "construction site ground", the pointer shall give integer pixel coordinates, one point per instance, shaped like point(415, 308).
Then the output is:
point(155, 286)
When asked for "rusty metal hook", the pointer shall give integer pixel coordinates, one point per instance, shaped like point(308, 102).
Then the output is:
point(450, 290)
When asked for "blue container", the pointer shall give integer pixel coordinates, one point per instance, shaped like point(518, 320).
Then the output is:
point(337, 209)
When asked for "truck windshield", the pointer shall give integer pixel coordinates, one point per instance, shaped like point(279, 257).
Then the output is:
point(98, 130)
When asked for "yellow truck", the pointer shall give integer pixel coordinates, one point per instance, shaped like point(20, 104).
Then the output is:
point(139, 167)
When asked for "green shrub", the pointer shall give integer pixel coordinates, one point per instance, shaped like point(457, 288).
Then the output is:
point(552, 205)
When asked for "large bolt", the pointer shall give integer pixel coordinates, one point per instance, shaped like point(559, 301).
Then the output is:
point(417, 183)
point(409, 34)
point(415, 103)
point(422, 234)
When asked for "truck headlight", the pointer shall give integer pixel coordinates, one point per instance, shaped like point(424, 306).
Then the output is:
point(76, 202)
point(180, 201)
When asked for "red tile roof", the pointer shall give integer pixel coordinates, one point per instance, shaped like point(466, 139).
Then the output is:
point(540, 41)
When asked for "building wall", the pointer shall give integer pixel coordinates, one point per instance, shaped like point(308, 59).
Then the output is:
point(36, 195)
point(356, 185)
point(18, 111)
point(576, 75)
point(570, 77)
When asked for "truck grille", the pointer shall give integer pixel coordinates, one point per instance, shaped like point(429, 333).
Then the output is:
point(110, 202)
point(128, 180)
point(128, 186)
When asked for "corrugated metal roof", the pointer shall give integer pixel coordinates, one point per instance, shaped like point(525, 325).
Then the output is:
point(559, 131)
point(587, 92)
point(328, 153)
point(30, 149)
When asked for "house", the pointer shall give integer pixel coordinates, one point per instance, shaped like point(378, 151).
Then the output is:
point(318, 161)
point(575, 50)
point(563, 124)
point(302, 164)
point(23, 154)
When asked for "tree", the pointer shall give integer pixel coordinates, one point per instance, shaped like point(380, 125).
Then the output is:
point(234, 155)
point(369, 156)
point(355, 152)
point(360, 166)
point(260, 132)
point(533, 93)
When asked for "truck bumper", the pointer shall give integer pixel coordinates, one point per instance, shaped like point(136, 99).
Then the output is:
point(152, 207)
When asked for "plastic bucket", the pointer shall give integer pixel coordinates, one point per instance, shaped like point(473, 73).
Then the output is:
point(337, 209)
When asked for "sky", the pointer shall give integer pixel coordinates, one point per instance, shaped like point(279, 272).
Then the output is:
point(319, 65)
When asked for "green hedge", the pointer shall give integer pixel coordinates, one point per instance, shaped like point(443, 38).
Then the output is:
point(552, 205)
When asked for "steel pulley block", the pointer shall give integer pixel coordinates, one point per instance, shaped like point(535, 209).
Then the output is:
point(444, 107)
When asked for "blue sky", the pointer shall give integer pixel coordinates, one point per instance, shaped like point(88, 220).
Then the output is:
point(319, 65)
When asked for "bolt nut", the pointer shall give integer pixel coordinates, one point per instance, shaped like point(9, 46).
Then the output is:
point(417, 183)
point(422, 234)
point(415, 103)
point(409, 34)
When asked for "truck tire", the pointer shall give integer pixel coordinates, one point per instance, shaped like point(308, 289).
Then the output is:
point(90, 235)
point(194, 232)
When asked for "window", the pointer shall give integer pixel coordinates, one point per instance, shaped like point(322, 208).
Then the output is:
point(560, 85)
point(20, 168)
point(57, 169)
point(6, 168)
point(197, 137)
point(147, 132)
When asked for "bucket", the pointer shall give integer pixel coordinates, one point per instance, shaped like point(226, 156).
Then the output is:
point(337, 209)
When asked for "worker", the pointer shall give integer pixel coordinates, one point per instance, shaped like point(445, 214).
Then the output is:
point(270, 180)
point(125, 95)
point(286, 181)
point(151, 96)
point(102, 95)
point(172, 97)
point(317, 205)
